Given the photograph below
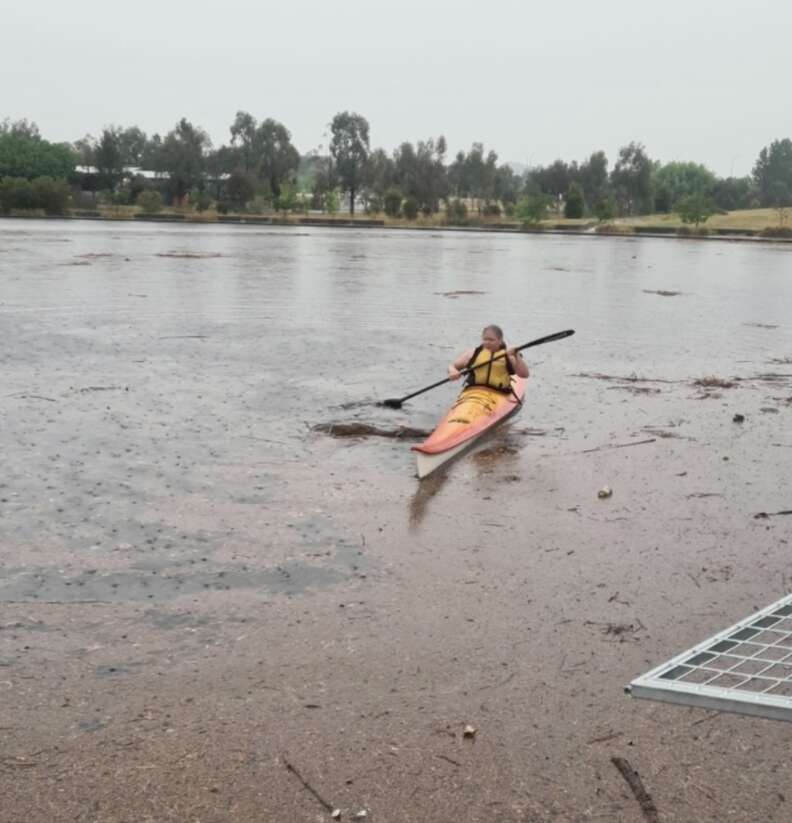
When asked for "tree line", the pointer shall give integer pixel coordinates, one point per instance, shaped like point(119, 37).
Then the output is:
point(259, 167)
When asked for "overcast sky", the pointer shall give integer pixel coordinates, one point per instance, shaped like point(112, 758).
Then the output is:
point(703, 81)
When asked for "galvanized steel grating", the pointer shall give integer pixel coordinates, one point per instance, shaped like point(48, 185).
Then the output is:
point(746, 668)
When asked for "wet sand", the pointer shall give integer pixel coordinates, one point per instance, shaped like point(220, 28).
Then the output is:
point(211, 611)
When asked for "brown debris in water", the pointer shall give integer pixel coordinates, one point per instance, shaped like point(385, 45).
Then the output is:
point(662, 292)
point(632, 378)
point(767, 515)
point(366, 430)
point(714, 383)
point(190, 255)
point(635, 389)
point(458, 292)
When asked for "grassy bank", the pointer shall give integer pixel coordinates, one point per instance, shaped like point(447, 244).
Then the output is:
point(749, 221)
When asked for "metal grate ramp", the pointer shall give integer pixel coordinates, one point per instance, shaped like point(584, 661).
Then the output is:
point(746, 668)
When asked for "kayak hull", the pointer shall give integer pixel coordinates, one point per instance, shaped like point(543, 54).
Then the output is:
point(476, 412)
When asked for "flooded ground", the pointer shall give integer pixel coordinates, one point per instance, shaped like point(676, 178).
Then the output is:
point(212, 608)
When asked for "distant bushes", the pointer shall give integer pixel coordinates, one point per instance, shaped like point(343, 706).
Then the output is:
point(150, 201)
point(777, 231)
point(410, 208)
point(392, 202)
point(456, 213)
point(41, 194)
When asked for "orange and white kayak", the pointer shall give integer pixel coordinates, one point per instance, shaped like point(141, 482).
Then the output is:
point(477, 410)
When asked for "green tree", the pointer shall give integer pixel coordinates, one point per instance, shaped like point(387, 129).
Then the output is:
point(330, 202)
point(182, 156)
point(410, 208)
point(420, 172)
point(393, 202)
point(350, 148)
point(325, 181)
point(243, 139)
point(27, 156)
point(108, 158)
point(219, 163)
point(278, 159)
point(532, 208)
point(673, 181)
point(605, 209)
point(694, 208)
point(458, 176)
point(287, 199)
point(593, 177)
point(265, 150)
point(631, 179)
point(240, 189)
point(554, 179)
point(574, 205)
point(132, 143)
point(780, 199)
point(734, 193)
point(379, 175)
point(26, 129)
point(507, 185)
point(83, 151)
point(150, 201)
point(774, 164)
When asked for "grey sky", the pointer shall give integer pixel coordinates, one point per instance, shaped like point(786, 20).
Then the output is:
point(706, 81)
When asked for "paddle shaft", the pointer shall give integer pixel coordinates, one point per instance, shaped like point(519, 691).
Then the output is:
point(548, 339)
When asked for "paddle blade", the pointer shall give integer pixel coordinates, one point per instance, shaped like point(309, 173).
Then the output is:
point(392, 403)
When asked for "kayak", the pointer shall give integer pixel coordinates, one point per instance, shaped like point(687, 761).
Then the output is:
point(477, 410)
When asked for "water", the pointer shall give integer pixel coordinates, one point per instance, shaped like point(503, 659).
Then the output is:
point(180, 544)
point(182, 368)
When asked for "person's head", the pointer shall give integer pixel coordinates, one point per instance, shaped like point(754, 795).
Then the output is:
point(492, 337)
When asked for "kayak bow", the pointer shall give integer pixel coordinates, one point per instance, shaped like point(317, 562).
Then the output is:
point(477, 410)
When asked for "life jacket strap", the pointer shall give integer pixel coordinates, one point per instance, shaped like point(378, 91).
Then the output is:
point(471, 378)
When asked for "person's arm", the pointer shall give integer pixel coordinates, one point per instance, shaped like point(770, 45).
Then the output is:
point(459, 363)
point(517, 362)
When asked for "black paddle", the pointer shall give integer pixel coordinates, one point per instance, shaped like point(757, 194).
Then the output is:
point(396, 402)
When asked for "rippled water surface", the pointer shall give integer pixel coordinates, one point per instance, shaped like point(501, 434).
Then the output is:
point(182, 545)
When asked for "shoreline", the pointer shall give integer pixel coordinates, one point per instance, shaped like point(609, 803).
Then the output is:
point(629, 232)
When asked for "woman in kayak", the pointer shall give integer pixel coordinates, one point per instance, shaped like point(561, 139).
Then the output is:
point(490, 370)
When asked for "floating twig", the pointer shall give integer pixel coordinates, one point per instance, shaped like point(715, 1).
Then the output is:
point(619, 445)
point(766, 515)
point(33, 397)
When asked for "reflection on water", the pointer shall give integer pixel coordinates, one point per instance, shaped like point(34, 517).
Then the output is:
point(425, 491)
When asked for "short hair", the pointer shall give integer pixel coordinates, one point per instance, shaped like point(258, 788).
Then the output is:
point(496, 330)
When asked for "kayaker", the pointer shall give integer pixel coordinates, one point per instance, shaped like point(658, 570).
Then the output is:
point(488, 372)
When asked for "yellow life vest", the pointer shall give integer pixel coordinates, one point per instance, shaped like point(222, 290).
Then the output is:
point(488, 372)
